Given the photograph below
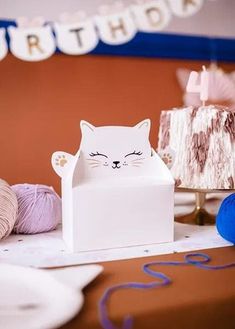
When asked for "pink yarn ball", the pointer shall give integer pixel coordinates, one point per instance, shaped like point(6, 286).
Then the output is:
point(39, 208)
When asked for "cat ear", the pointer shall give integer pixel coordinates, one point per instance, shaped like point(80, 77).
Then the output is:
point(143, 125)
point(86, 127)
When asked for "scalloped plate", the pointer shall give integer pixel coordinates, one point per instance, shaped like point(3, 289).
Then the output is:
point(33, 299)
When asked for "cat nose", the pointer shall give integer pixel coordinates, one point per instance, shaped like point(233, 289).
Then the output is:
point(116, 162)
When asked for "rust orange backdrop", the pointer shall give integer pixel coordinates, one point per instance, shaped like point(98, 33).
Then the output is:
point(41, 105)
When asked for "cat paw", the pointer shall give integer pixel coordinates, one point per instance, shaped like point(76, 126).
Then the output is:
point(167, 156)
point(60, 161)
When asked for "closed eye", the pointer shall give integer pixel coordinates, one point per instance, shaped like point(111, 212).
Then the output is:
point(133, 153)
point(97, 153)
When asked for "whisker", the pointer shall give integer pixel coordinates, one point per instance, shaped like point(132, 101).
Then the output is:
point(138, 159)
point(95, 166)
point(135, 166)
point(93, 160)
point(137, 162)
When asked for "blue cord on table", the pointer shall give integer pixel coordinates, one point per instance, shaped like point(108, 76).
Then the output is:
point(199, 260)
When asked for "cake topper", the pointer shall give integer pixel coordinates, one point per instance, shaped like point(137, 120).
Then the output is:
point(202, 87)
point(221, 89)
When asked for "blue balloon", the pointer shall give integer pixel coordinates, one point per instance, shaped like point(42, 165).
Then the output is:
point(225, 220)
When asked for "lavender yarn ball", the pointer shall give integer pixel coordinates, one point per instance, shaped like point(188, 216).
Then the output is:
point(39, 208)
point(8, 209)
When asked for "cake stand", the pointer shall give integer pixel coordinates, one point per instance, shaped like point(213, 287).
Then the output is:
point(199, 216)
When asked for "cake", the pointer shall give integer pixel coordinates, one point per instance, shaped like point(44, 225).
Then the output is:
point(202, 140)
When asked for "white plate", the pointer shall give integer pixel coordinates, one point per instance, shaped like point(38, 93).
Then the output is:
point(34, 299)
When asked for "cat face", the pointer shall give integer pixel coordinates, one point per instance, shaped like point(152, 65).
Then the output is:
point(115, 148)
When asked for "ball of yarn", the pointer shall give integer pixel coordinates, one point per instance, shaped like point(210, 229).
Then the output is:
point(39, 208)
point(225, 220)
point(8, 209)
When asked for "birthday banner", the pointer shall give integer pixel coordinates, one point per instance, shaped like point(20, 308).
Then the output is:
point(77, 34)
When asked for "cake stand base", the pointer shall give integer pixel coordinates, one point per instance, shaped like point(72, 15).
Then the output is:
point(199, 216)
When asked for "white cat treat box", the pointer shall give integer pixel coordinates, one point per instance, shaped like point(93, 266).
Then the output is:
point(116, 191)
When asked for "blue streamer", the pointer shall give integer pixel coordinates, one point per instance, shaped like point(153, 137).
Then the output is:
point(199, 260)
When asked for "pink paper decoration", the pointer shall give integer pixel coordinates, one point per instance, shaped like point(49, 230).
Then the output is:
point(221, 87)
